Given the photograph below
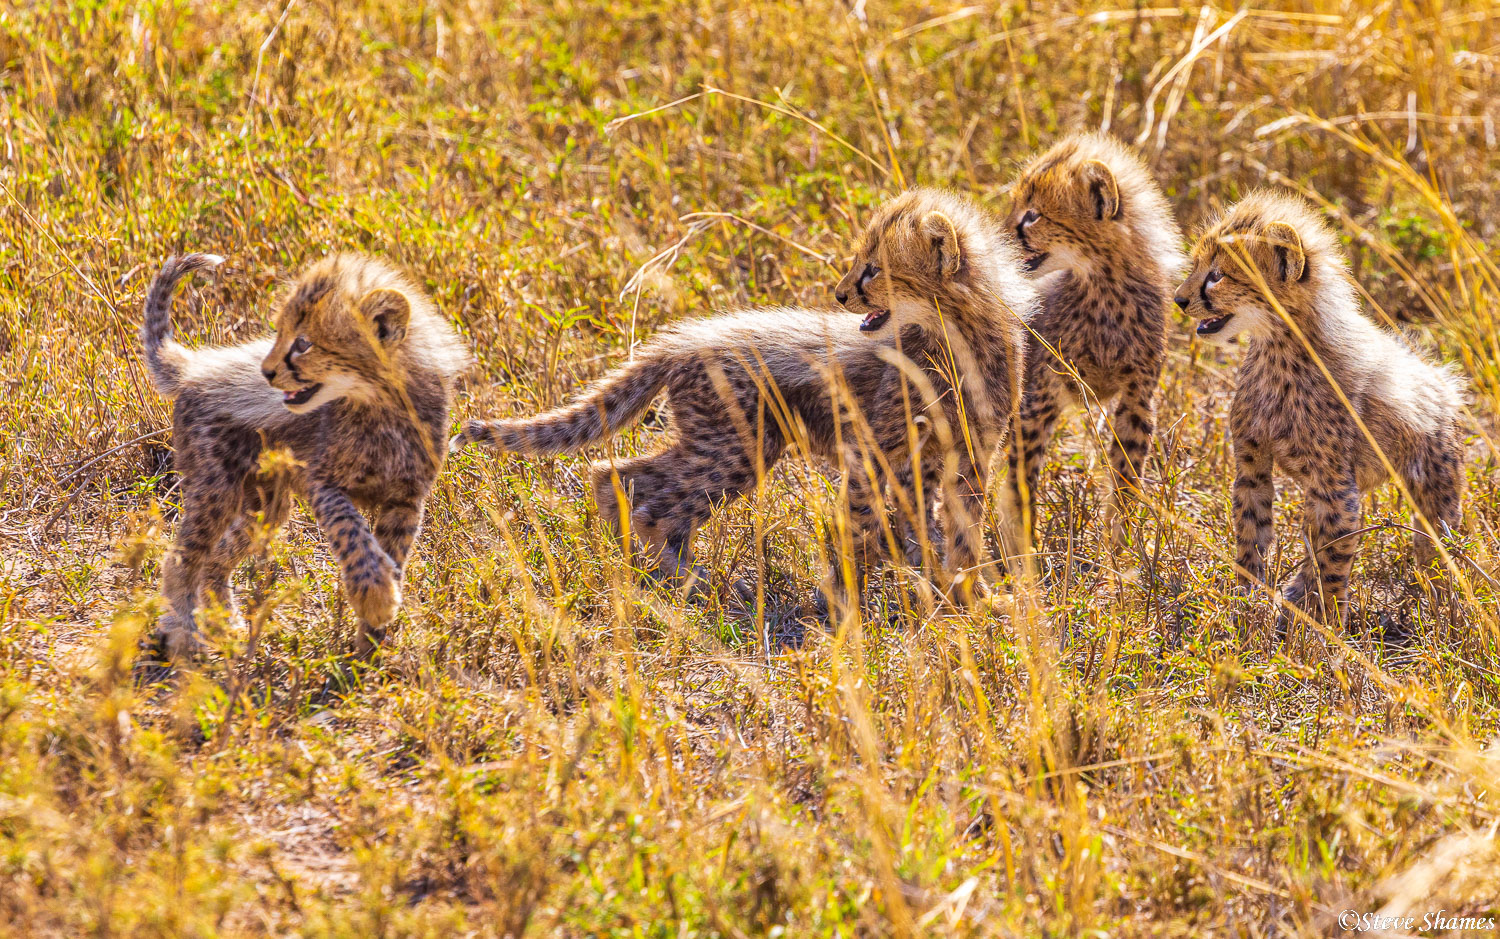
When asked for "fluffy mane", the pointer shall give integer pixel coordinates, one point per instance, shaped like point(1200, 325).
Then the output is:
point(1364, 355)
point(995, 257)
point(431, 342)
point(1144, 208)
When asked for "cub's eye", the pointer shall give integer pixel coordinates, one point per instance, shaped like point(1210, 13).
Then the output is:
point(1029, 219)
point(1214, 276)
point(870, 273)
point(301, 345)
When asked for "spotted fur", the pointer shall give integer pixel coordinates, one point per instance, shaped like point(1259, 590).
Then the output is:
point(1102, 241)
point(939, 290)
point(356, 383)
point(1273, 247)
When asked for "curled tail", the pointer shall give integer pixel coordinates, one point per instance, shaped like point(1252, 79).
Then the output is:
point(165, 358)
point(602, 411)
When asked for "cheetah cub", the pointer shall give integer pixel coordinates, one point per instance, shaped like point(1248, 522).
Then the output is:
point(356, 383)
point(1270, 270)
point(940, 292)
point(1100, 238)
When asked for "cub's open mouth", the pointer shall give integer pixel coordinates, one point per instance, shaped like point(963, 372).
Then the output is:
point(1209, 327)
point(293, 398)
point(874, 320)
point(1034, 261)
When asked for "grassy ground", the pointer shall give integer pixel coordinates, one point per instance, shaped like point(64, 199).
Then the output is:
point(549, 750)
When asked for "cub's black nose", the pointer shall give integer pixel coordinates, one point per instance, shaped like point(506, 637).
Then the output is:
point(1182, 302)
point(841, 296)
point(269, 373)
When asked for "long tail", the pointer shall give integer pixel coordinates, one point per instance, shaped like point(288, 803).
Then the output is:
point(613, 402)
point(165, 358)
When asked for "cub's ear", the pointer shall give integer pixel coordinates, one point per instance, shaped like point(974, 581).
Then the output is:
point(388, 311)
point(1103, 189)
point(940, 229)
point(1286, 245)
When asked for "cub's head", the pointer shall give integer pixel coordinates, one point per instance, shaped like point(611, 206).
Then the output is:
point(1088, 195)
point(1266, 246)
point(339, 330)
point(923, 251)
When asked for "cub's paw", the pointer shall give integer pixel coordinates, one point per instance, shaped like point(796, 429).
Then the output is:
point(1119, 532)
point(376, 595)
point(995, 600)
point(154, 664)
point(970, 592)
point(177, 640)
point(368, 643)
point(1293, 603)
point(741, 591)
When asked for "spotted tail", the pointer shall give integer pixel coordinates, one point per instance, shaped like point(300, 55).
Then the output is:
point(603, 411)
point(164, 357)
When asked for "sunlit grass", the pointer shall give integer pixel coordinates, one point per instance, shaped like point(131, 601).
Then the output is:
point(549, 748)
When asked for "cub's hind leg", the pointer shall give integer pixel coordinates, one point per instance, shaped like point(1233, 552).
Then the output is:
point(207, 511)
point(265, 513)
point(653, 509)
point(214, 462)
point(667, 497)
point(717, 457)
point(233, 545)
point(1331, 520)
point(1436, 482)
point(1041, 404)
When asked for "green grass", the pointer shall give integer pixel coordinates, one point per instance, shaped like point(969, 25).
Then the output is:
point(548, 749)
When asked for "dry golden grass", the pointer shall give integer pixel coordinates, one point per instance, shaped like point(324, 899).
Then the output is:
point(549, 749)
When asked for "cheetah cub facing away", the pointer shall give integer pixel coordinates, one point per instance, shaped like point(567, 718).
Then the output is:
point(940, 291)
point(1104, 246)
point(1273, 251)
point(356, 383)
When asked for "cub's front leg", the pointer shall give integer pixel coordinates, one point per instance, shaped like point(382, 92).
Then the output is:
point(963, 510)
point(371, 578)
point(1254, 497)
point(915, 485)
point(868, 517)
point(396, 527)
point(1133, 423)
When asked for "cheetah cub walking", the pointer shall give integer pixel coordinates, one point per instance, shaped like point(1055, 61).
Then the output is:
point(1271, 270)
point(940, 292)
point(356, 383)
point(1101, 239)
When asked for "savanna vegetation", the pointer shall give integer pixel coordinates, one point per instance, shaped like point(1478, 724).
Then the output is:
point(550, 747)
